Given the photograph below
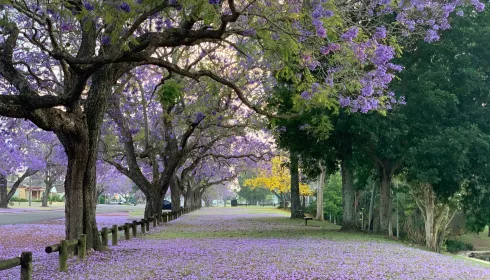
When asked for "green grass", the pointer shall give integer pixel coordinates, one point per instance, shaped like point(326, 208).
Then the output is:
point(480, 241)
point(270, 227)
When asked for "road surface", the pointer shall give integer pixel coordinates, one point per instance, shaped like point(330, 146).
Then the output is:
point(34, 216)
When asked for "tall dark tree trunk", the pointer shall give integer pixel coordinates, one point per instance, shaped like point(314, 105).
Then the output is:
point(4, 201)
point(371, 209)
point(295, 197)
point(348, 198)
point(384, 203)
point(175, 195)
point(76, 149)
point(154, 203)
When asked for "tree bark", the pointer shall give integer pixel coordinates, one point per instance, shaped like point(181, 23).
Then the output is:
point(319, 193)
point(175, 196)
point(348, 199)
point(154, 204)
point(371, 209)
point(49, 187)
point(384, 203)
point(4, 201)
point(294, 171)
point(77, 153)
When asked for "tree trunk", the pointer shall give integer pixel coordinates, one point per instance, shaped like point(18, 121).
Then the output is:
point(49, 186)
point(3, 192)
point(371, 209)
point(384, 203)
point(80, 192)
point(437, 216)
point(295, 197)
point(175, 195)
point(348, 199)
point(154, 203)
point(77, 152)
point(319, 194)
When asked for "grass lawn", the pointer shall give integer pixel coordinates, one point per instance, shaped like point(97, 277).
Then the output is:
point(480, 241)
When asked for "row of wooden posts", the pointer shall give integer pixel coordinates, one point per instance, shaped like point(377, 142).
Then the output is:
point(79, 246)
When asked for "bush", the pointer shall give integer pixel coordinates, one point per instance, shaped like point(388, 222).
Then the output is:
point(55, 198)
point(311, 209)
point(17, 199)
point(454, 246)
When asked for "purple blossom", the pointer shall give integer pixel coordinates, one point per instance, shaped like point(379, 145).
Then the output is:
point(380, 33)
point(88, 6)
point(125, 7)
point(431, 36)
point(106, 40)
point(350, 34)
point(306, 95)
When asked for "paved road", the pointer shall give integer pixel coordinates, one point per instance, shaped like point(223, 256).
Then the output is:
point(34, 216)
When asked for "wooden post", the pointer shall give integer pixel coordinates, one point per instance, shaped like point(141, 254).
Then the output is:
point(26, 266)
point(115, 234)
point(147, 224)
point(154, 221)
point(63, 257)
point(143, 226)
point(126, 231)
point(105, 237)
point(82, 247)
point(135, 229)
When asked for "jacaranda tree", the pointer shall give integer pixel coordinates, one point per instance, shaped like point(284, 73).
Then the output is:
point(60, 60)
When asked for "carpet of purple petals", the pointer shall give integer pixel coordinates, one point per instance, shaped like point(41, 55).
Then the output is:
point(219, 254)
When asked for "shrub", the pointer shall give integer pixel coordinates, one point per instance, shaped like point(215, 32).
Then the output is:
point(454, 246)
point(17, 199)
point(56, 198)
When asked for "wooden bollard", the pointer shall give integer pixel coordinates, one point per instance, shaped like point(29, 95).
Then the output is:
point(115, 234)
point(154, 221)
point(63, 256)
point(126, 231)
point(105, 237)
point(26, 266)
point(147, 224)
point(135, 228)
point(165, 217)
point(143, 226)
point(82, 247)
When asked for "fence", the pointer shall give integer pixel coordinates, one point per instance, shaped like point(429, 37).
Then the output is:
point(79, 246)
point(25, 263)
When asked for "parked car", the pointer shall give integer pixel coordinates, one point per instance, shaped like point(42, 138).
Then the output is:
point(132, 201)
point(167, 205)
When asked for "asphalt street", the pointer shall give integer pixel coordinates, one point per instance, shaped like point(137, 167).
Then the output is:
point(34, 216)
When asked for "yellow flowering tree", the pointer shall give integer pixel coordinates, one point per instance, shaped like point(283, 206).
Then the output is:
point(277, 180)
